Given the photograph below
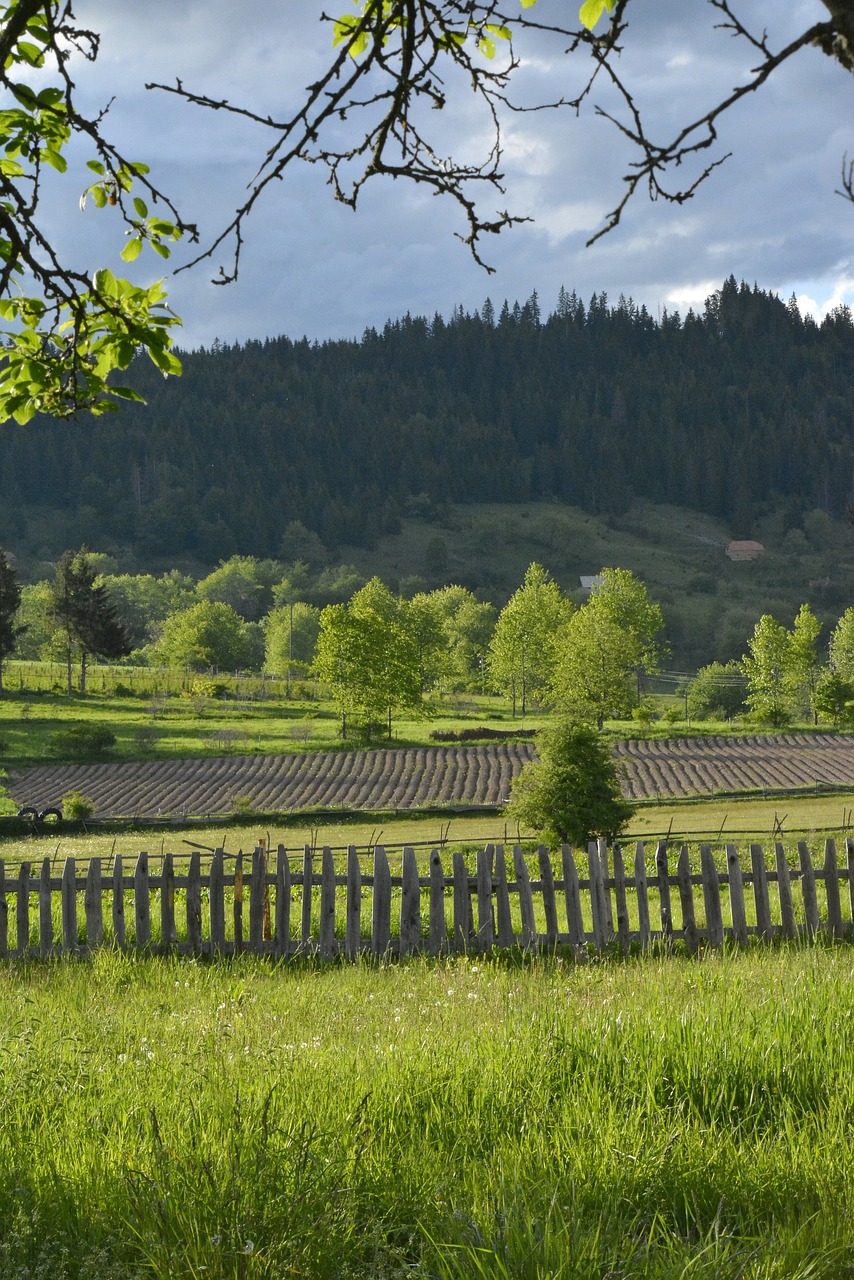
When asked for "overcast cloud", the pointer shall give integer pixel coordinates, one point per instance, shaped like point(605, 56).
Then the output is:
point(313, 267)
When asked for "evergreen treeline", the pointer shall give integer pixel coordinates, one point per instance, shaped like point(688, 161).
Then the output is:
point(729, 410)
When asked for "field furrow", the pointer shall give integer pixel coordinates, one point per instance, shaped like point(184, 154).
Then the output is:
point(413, 778)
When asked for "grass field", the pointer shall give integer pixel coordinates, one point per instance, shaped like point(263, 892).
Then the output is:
point(658, 1118)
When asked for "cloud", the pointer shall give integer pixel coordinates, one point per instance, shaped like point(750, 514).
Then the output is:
point(769, 214)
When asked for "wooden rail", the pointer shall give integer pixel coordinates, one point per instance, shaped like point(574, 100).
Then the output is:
point(265, 907)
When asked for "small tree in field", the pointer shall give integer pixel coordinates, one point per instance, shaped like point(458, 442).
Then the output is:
point(571, 793)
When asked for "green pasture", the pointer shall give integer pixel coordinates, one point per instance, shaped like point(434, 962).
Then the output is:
point(653, 1119)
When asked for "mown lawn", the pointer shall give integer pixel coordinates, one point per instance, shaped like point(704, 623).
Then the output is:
point(654, 1118)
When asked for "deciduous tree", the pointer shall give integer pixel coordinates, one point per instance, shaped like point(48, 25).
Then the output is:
point(521, 651)
point(207, 634)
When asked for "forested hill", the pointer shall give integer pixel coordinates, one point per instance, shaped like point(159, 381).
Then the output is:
point(743, 405)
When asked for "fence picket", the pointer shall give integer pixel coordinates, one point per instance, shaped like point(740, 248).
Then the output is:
point(93, 905)
point(606, 889)
point(760, 891)
point(549, 901)
point(572, 900)
point(307, 894)
point(488, 885)
point(410, 904)
point(327, 904)
point(620, 899)
point(788, 922)
point(22, 911)
point(662, 875)
point(257, 898)
point(808, 889)
point(4, 913)
point(69, 906)
point(526, 898)
point(485, 917)
point(217, 901)
point(686, 898)
point(282, 939)
point(831, 888)
point(45, 910)
point(438, 927)
point(381, 914)
point(506, 936)
point(712, 898)
point(738, 914)
point(353, 928)
point(142, 901)
point(642, 888)
point(194, 903)
point(168, 932)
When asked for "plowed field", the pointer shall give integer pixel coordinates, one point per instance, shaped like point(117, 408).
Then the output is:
point(418, 777)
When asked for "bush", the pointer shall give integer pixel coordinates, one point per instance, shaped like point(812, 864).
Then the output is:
point(82, 740)
point(77, 807)
point(571, 794)
point(481, 732)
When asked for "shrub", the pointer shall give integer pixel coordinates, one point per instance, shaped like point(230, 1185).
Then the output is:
point(481, 732)
point(572, 792)
point(81, 740)
point(77, 807)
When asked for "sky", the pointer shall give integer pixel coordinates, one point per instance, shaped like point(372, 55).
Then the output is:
point(312, 267)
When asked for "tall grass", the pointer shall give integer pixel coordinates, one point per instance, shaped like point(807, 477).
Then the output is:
point(656, 1118)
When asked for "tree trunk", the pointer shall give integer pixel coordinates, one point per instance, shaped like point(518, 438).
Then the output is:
point(83, 672)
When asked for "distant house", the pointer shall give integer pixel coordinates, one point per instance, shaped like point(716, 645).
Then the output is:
point(745, 550)
point(589, 581)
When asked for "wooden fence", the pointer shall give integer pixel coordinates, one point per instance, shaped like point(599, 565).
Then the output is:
point(262, 905)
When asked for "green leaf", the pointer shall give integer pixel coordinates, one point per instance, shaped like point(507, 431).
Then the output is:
point(501, 33)
point(99, 196)
point(591, 11)
point(55, 159)
point(96, 167)
point(487, 46)
point(125, 393)
point(141, 207)
point(526, 4)
point(132, 249)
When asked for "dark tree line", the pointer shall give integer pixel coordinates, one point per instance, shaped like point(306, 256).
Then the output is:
point(738, 407)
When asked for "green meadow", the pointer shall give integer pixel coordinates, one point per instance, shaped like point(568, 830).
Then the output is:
point(654, 1118)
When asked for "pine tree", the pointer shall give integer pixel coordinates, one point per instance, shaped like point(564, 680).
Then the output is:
point(86, 614)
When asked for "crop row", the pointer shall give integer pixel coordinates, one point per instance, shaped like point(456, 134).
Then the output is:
point(418, 777)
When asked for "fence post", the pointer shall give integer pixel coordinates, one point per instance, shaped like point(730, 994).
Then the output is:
point(549, 902)
point(257, 895)
point(381, 913)
point(736, 895)
point(608, 918)
point(168, 932)
point(808, 889)
point(45, 910)
point(141, 901)
point(760, 891)
point(194, 903)
point(438, 926)
point(504, 918)
point(831, 888)
point(597, 905)
point(4, 913)
point(662, 874)
point(712, 897)
point(620, 899)
point(353, 936)
point(642, 888)
point(784, 890)
point(686, 898)
point(237, 902)
point(526, 899)
point(93, 905)
point(485, 919)
point(327, 904)
point(572, 896)
point(216, 881)
point(282, 940)
point(307, 887)
point(410, 904)
point(23, 909)
point(69, 905)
